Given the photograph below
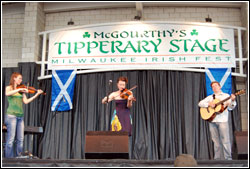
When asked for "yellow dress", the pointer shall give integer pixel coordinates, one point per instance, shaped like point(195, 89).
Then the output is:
point(116, 125)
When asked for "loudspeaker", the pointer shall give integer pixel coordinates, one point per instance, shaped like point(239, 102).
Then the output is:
point(241, 142)
point(106, 145)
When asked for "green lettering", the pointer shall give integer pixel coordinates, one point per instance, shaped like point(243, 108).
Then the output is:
point(156, 45)
point(221, 44)
point(106, 35)
point(134, 36)
point(82, 60)
point(177, 47)
point(197, 58)
point(143, 46)
point(93, 47)
point(184, 58)
point(139, 46)
point(123, 60)
point(69, 48)
point(145, 34)
point(114, 34)
point(59, 47)
point(218, 58)
point(126, 34)
point(92, 60)
point(54, 61)
point(129, 45)
point(208, 58)
point(76, 48)
point(185, 44)
point(183, 34)
point(154, 59)
point(214, 46)
point(170, 33)
point(171, 59)
point(113, 46)
point(199, 45)
point(96, 34)
point(101, 46)
point(113, 60)
point(228, 58)
point(103, 61)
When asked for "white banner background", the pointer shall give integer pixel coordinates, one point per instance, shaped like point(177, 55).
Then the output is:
point(141, 45)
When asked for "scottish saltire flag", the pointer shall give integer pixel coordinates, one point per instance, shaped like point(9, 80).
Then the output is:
point(221, 75)
point(63, 84)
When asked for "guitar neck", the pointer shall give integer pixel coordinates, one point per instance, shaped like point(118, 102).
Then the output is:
point(222, 101)
point(236, 94)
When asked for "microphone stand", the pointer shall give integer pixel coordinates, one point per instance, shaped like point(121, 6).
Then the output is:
point(106, 114)
point(59, 104)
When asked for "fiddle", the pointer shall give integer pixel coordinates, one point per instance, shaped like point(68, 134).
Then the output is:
point(30, 88)
point(125, 93)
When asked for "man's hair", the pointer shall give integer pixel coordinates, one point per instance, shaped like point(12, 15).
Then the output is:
point(214, 82)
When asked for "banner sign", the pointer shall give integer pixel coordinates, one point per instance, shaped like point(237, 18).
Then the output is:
point(138, 45)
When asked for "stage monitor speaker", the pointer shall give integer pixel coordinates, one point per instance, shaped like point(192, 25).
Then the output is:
point(106, 145)
point(242, 144)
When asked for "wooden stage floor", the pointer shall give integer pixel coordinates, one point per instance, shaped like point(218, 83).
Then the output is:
point(114, 163)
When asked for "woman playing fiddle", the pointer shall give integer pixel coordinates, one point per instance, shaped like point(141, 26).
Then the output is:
point(121, 119)
point(14, 115)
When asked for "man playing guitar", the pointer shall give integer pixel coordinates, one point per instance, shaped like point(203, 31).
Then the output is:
point(218, 126)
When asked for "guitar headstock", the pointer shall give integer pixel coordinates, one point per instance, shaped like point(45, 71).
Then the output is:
point(240, 92)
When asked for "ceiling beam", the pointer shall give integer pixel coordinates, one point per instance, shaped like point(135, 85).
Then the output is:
point(72, 6)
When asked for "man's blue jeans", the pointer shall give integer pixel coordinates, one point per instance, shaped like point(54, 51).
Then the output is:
point(220, 135)
point(15, 126)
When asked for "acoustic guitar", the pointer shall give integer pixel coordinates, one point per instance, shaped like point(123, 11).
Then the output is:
point(209, 113)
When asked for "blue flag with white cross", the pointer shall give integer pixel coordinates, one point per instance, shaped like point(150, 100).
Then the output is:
point(221, 75)
point(63, 84)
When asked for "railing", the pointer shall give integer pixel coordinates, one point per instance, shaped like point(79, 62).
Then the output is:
point(238, 71)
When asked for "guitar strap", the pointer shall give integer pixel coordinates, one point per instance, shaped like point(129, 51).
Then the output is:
point(222, 108)
point(213, 96)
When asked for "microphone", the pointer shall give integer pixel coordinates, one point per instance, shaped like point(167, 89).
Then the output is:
point(110, 81)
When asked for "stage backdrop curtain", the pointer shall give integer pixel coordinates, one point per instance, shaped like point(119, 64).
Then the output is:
point(166, 118)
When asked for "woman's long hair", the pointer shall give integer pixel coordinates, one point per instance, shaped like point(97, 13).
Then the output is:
point(14, 75)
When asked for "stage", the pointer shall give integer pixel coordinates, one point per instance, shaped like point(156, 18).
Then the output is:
point(115, 163)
